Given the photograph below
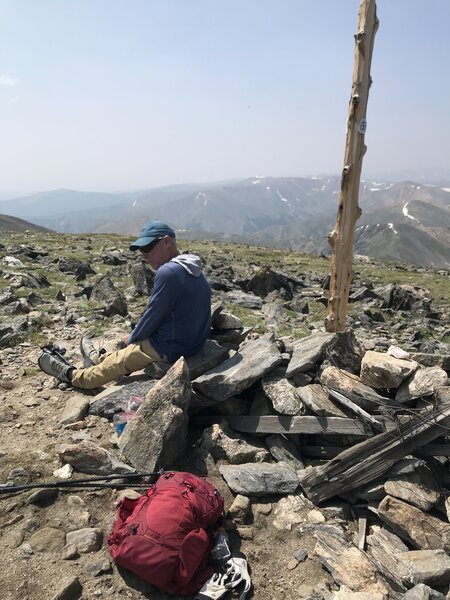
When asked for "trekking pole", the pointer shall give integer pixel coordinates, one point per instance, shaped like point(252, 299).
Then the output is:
point(54, 349)
point(5, 489)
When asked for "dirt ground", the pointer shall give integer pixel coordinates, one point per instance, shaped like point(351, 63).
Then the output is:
point(30, 407)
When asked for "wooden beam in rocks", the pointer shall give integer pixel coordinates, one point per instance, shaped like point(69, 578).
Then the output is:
point(298, 424)
point(369, 459)
point(289, 425)
point(327, 452)
point(341, 239)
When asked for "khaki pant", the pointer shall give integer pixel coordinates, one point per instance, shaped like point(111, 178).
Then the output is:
point(116, 364)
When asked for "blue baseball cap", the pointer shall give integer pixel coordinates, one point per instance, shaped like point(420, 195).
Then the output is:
point(153, 230)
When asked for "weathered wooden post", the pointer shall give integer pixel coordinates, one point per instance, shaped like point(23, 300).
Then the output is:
point(341, 239)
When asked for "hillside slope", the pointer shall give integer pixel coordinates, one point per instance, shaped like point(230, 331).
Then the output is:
point(8, 223)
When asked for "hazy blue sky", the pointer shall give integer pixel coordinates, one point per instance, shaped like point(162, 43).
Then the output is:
point(112, 94)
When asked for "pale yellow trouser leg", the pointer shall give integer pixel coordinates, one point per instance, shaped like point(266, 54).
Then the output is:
point(116, 364)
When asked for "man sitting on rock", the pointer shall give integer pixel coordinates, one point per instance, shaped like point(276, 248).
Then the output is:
point(177, 321)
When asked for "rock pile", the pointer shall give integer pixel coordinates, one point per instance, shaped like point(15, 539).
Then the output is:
point(331, 450)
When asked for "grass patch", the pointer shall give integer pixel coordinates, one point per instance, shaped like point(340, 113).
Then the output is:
point(248, 317)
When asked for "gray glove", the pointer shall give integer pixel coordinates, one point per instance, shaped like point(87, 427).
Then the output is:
point(213, 589)
point(237, 574)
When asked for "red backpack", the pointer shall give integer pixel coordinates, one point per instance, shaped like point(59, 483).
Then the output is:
point(162, 536)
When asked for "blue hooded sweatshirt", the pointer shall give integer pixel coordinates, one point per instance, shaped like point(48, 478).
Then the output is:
point(177, 321)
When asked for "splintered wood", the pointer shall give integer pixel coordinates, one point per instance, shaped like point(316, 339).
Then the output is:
point(371, 458)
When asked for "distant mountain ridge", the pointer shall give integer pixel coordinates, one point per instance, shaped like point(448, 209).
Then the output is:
point(8, 223)
point(404, 221)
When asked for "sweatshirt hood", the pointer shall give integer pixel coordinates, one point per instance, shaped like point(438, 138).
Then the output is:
point(191, 262)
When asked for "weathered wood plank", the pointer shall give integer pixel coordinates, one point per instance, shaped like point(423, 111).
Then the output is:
point(299, 424)
point(371, 458)
point(362, 528)
point(287, 425)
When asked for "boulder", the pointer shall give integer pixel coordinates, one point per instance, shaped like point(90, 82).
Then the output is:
point(431, 567)
point(114, 257)
point(225, 320)
point(47, 539)
point(291, 511)
point(104, 292)
point(422, 530)
point(112, 399)
point(87, 457)
point(75, 409)
point(211, 355)
point(383, 548)
point(345, 352)
point(422, 383)
point(239, 510)
point(419, 488)
point(347, 564)
point(88, 539)
point(223, 443)
point(143, 278)
point(69, 589)
point(157, 435)
point(265, 280)
point(380, 370)
point(242, 299)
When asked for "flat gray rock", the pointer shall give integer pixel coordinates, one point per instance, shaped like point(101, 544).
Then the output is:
point(255, 359)
point(423, 592)
point(157, 435)
point(308, 351)
point(243, 299)
point(111, 401)
point(284, 451)
point(211, 355)
point(47, 539)
point(317, 400)
point(260, 479)
point(352, 388)
point(431, 567)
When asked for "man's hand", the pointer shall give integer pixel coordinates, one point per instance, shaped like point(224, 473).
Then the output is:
point(125, 340)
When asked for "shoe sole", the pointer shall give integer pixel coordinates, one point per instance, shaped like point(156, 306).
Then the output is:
point(48, 370)
point(87, 349)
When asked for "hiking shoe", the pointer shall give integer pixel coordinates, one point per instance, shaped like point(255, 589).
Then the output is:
point(91, 355)
point(55, 366)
